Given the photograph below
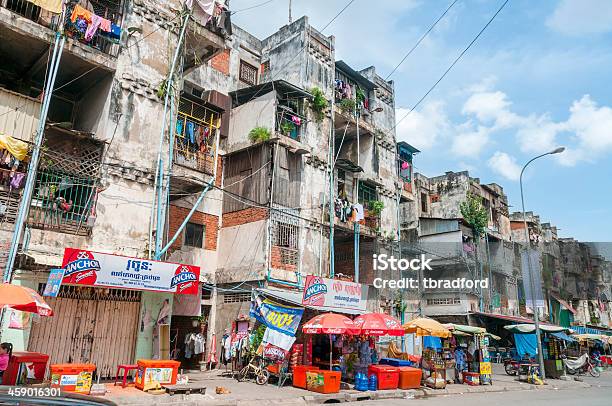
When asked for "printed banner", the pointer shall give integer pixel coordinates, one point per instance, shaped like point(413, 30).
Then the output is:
point(283, 318)
point(54, 282)
point(274, 353)
point(335, 294)
point(115, 271)
point(534, 272)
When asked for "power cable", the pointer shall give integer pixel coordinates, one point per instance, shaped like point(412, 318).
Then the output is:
point(421, 39)
point(251, 7)
point(451, 65)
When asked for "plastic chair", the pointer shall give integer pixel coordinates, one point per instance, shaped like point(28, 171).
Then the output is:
point(126, 371)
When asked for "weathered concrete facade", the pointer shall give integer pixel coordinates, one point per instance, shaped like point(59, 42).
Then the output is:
point(94, 187)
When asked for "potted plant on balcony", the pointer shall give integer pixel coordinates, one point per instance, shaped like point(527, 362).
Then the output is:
point(375, 207)
point(259, 134)
point(287, 127)
point(347, 106)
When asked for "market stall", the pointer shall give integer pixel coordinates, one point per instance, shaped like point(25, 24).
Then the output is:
point(473, 367)
point(554, 344)
point(432, 362)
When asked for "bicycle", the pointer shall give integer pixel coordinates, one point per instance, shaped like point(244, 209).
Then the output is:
point(256, 367)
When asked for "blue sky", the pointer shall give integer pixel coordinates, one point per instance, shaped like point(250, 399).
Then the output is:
point(540, 76)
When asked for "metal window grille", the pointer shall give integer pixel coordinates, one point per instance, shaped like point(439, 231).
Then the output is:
point(248, 73)
point(443, 301)
point(237, 297)
point(285, 239)
point(195, 129)
point(65, 188)
point(366, 193)
point(109, 9)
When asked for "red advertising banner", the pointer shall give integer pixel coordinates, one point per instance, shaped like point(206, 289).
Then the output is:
point(91, 268)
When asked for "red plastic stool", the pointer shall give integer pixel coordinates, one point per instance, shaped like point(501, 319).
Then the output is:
point(126, 370)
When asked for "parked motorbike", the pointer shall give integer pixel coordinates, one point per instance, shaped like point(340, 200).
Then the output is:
point(581, 365)
point(511, 366)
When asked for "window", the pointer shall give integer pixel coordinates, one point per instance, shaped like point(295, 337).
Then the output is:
point(248, 73)
point(238, 297)
point(444, 301)
point(366, 193)
point(423, 202)
point(341, 183)
point(194, 235)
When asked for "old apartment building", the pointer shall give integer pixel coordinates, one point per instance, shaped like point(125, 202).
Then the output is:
point(285, 156)
point(95, 181)
point(574, 276)
point(295, 138)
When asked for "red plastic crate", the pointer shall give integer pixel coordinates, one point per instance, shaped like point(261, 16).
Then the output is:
point(388, 376)
point(299, 375)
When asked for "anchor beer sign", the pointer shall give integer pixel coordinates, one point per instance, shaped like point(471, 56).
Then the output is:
point(333, 294)
point(91, 268)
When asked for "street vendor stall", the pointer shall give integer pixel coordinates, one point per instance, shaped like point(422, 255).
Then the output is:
point(26, 366)
point(479, 370)
point(555, 339)
point(432, 362)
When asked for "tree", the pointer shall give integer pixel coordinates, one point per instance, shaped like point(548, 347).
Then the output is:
point(475, 214)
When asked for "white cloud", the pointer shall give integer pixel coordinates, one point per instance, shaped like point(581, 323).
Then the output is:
point(470, 140)
point(591, 124)
point(505, 165)
point(490, 107)
point(581, 17)
point(423, 129)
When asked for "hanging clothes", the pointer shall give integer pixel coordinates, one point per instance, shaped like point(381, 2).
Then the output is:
point(92, 28)
point(190, 128)
point(199, 343)
point(80, 12)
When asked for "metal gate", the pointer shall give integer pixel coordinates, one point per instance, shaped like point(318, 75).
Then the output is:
point(90, 325)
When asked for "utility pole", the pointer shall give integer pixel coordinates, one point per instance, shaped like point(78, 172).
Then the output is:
point(290, 19)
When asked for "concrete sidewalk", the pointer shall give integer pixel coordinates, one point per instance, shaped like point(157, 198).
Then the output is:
point(248, 393)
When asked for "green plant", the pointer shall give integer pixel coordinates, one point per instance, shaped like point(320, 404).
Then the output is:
point(376, 207)
point(318, 104)
point(286, 127)
point(162, 89)
point(259, 134)
point(258, 338)
point(474, 213)
point(347, 106)
point(360, 95)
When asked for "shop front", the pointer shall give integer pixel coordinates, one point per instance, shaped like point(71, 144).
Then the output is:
point(110, 310)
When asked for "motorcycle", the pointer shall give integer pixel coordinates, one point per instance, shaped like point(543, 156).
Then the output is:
point(581, 365)
point(511, 366)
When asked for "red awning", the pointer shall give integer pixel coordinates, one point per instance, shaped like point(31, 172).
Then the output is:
point(563, 303)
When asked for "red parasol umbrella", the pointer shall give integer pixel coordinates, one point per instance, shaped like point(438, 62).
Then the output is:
point(330, 323)
point(23, 299)
point(378, 324)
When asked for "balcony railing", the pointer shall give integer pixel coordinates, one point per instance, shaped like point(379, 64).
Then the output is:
point(108, 9)
point(63, 202)
point(195, 135)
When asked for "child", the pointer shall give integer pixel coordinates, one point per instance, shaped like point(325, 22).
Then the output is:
point(6, 350)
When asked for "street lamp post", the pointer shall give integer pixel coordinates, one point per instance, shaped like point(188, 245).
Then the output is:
point(536, 315)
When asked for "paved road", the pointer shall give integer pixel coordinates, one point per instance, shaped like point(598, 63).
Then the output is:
point(601, 396)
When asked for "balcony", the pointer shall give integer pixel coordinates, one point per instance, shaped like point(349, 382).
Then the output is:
point(105, 42)
point(66, 186)
point(206, 35)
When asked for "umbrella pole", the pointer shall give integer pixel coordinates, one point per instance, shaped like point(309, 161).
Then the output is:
point(331, 351)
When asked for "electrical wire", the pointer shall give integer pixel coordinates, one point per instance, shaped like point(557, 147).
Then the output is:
point(451, 65)
point(251, 7)
point(421, 39)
